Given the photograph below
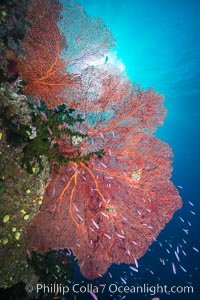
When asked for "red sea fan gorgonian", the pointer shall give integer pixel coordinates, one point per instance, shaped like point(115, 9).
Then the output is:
point(60, 40)
point(110, 209)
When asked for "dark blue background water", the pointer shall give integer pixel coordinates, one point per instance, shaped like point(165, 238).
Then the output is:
point(159, 43)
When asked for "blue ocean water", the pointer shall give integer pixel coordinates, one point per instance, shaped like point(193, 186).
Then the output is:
point(159, 43)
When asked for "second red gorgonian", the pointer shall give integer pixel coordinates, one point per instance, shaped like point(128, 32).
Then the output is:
point(110, 209)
